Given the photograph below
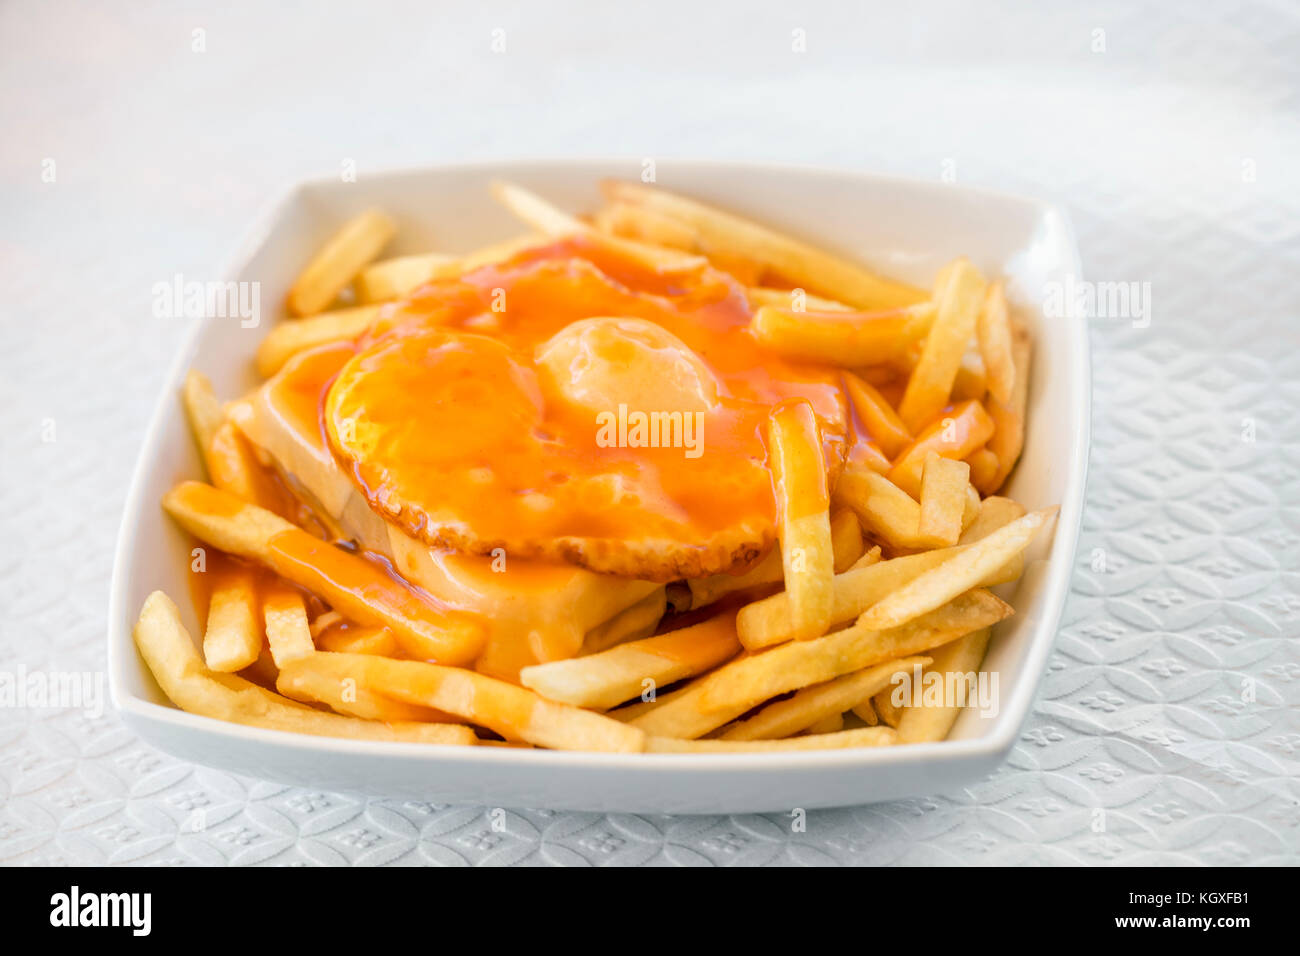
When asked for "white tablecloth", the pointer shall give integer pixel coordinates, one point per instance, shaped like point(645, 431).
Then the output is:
point(139, 141)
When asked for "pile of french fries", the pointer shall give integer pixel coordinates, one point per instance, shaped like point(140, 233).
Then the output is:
point(884, 566)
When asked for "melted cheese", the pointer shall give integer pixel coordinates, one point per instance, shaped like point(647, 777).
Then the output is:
point(534, 612)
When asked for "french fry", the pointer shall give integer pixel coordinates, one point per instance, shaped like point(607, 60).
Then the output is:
point(830, 724)
point(934, 588)
point(919, 722)
point(232, 638)
point(885, 510)
point(262, 671)
point(995, 512)
point(799, 474)
point(553, 221)
point(972, 509)
point(203, 412)
point(877, 416)
point(307, 683)
point(633, 222)
point(705, 591)
point(723, 695)
point(766, 622)
point(287, 339)
point(358, 589)
point(169, 652)
point(394, 278)
point(847, 339)
point(797, 262)
point(232, 466)
point(285, 616)
point(866, 712)
point(983, 469)
point(347, 252)
point(1009, 420)
point(797, 664)
point(885, 708)
point(359, 640)
point(512, 712)
point(943, 500)
point(871, 557)
point(862, 737)
point(960, 296)
point(631, 624)
point(993, 330)
point(604, 680)
point(812, 704)
point(971, 381)
point(847, 546)
point(959, 432)
point(796, 299)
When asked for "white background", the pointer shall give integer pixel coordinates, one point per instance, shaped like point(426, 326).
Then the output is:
point(1169, 133)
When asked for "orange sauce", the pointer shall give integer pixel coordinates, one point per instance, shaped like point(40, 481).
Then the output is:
point(366, 590)
point(463, 428)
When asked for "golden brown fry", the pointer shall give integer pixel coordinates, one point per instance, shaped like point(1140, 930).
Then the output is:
point(394, 278)
point(877, 416)
point(983, 469)
point(959, 432)
point(359, 640)
point(1009, 420)
point(797, 262)
point(604, 680)
point(961, 659)
point(944, 483)
point(170, 654)
point(846, 540)
point(287, 339)
point(995, 512)
point(347, 252)
point(866, 712)
point(812, 704)
point(885, 510)
point(886, 709)
point(796, 664)
point(232, 639)
point(965, 570)
point(767, 622)
point(512, 712)
point(994, 332)
point(553, 221)
point(959, 299)
point(631, 624)
point(718, 698)
point(313, 679)
point(795, 299)
point(285, 616)
point(202, 410)
point(830, 724)
point(358, 589)
point(707, 590)
point(847, 339)
point(862, 737)
point(634, 222)
point(799, 474)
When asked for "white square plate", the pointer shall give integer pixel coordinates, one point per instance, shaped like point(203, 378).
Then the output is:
point(901, 228)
